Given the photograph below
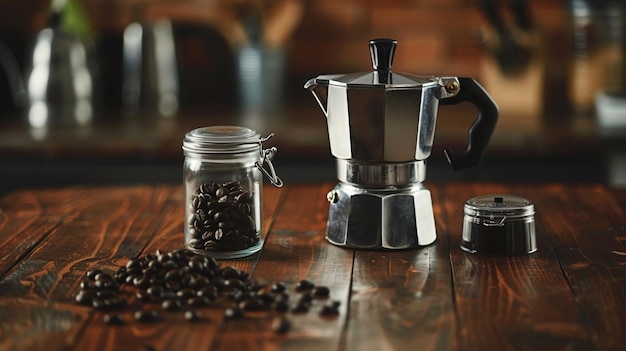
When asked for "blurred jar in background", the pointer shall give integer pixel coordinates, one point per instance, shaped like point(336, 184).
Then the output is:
point(597, 61)
point(262, 59)
point(150, 84)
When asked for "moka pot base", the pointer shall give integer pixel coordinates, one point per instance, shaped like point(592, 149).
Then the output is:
point(380, 206)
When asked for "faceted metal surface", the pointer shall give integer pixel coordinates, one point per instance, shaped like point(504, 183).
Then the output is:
point(380, 219)
point(382, 125)
point(381, 116)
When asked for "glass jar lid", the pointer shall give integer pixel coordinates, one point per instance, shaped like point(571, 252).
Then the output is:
point(235, 142)
point(221, 139)
point(501, 205)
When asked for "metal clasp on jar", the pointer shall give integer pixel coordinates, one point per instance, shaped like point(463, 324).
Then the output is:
point(266, 158)
point(494, 221)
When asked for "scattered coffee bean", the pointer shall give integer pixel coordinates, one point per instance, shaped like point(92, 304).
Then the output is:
point(233, 312)
point(252, 305)
point(197, 301)
point(87, 285)
point(248, 295)
point(133, 263)
point(171, 304)
point(283, 296)
point(280, 306)
point(230, 273)
point(113, 318)
point(304, 285)
point(278, 287)
point(167, 294)
point(106, 283)
point(330, 309)
point(281, 324)
point(186, 293)
point(85, 297)
point(149, 315)
point(106, 304)
point(142, 296)
point(155, 290)
point(211, 292)
point(173, 285)
point(321, 291)
point(266, 297)
point(130, 278)
point(120, 275)
point(199, 282)
point(102, 276)
point(301, 307)
point(234, 283)
point(91, 274)
point(235, 295)
point(184, 280)
point(307, 298)
point(106, 294)
point(141, 282)
point(193, 315)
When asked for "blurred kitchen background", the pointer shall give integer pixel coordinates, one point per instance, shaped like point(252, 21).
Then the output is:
point(102, 91)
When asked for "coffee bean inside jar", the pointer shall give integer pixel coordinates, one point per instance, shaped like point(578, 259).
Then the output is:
point(221, 218)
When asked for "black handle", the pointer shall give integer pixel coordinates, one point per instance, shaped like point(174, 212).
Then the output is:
point(482, 128)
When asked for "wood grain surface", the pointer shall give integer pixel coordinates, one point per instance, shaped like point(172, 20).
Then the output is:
point(569, 295)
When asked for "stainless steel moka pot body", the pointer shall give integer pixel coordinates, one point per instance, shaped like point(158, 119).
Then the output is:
point(381, 126)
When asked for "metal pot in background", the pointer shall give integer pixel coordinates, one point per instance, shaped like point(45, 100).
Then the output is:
point(261, 77)
point(150, 82)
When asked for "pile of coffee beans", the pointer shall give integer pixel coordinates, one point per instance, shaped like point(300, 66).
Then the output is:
point(182, 280)
point(222, 218)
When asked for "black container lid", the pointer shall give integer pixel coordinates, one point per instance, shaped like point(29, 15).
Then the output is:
point(510, 206)
point(499, 224)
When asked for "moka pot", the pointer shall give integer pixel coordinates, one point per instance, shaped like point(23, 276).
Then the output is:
point(381, 127)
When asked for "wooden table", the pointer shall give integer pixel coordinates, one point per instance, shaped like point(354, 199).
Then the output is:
point(569, 295)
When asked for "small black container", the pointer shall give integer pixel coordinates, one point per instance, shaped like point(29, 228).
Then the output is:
point(499, 225)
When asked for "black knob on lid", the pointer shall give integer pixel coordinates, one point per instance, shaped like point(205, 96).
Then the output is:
point(382, 51)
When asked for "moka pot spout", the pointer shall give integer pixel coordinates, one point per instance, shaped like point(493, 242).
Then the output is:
point(319, 88)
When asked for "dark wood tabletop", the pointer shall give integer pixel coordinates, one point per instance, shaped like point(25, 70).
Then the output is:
point(569, 295)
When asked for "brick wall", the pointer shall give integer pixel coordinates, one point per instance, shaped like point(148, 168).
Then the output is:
point(434, 36)
point(439, 37)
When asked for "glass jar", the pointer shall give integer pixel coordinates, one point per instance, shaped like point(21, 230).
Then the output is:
point(222, 172)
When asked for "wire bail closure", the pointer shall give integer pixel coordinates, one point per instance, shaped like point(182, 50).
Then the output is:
point(494, 222)
point(266, 157)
